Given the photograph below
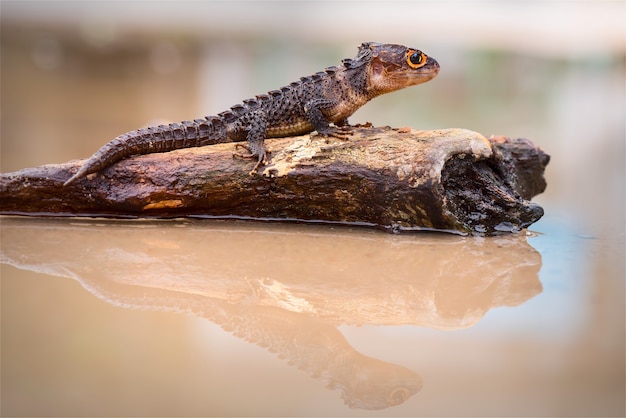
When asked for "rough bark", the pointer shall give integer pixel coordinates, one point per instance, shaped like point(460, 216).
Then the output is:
point(454, 180)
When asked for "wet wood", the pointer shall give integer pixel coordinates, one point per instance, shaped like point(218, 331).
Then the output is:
point(452, 179)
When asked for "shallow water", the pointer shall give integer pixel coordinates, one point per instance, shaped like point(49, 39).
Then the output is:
point(193, 318)
point(219, 318)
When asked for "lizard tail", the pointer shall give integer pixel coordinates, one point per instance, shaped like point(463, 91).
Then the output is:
point(162, 138)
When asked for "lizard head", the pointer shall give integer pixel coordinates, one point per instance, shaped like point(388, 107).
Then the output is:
point(393, 67)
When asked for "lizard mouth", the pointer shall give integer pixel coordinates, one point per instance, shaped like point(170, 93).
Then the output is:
point(412, 77)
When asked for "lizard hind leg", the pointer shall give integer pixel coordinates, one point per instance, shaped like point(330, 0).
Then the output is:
point(257, 124)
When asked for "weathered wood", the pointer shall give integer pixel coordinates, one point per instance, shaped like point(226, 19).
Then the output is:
point(451, 179)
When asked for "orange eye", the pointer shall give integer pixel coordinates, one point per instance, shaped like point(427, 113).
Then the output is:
point(415, 59)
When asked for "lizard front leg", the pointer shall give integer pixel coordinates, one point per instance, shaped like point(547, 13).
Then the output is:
point(255, 124)
point(313, 110)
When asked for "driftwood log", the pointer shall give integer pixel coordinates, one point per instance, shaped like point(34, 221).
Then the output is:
point(396, 179)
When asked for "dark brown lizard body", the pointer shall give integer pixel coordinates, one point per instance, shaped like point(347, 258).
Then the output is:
point(311, 104)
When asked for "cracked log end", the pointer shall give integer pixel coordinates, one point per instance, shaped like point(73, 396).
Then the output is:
point(454, 180)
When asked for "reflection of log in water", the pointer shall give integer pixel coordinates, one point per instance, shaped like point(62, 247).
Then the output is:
point(287, 290)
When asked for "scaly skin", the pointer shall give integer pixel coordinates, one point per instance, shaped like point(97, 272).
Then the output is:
point(311, 104)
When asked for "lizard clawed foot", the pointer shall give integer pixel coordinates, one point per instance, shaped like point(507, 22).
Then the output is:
point(341, 132)
point(261, 155)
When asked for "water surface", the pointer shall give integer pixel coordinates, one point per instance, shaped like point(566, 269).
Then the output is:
point(187, 318)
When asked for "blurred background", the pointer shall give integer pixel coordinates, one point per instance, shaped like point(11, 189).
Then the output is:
point(76, 74)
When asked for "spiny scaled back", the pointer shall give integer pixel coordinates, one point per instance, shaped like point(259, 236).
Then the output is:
point(320, 102)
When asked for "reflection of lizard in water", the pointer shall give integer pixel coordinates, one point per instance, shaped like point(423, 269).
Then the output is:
point(321, 350)
point(310, 344)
